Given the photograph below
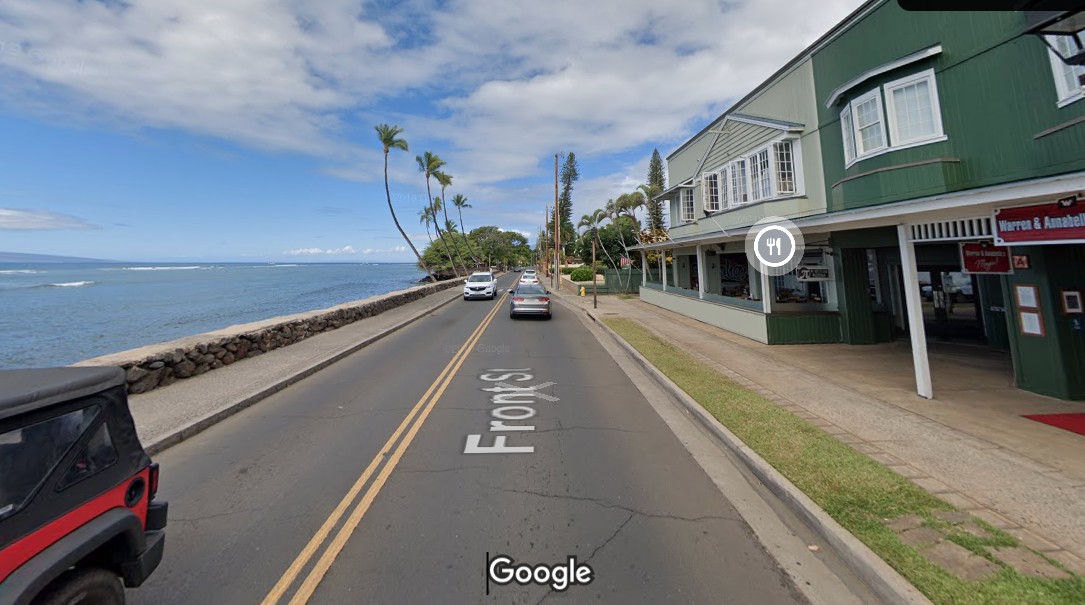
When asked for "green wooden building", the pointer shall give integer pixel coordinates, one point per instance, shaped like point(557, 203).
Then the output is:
point(935, 164)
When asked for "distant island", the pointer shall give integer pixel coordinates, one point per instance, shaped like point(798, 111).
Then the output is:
point(19, 257)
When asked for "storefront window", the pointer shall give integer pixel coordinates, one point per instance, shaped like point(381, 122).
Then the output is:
point(734, 275)
point(815, 290)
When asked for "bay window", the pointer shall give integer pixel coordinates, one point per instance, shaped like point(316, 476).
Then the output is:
point(902, 113)
point(1069, 79)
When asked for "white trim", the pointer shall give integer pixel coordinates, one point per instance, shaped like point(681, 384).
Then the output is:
point(891, 113)
point(847, 132)
point(682, 206)
point(793, 127)
point(891, 149)
point(705, 196)
point(835, 95)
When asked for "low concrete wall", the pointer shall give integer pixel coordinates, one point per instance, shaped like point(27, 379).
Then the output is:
point(161, 364)
point(743, 322)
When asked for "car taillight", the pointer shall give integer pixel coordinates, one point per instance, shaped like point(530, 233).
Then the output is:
point(544, 299)
point(517, 299)
point(152, 480)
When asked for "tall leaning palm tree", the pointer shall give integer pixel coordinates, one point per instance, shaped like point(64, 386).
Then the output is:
point(389, 138)
point(445, 180)
point(460, 202)
point(428, 163)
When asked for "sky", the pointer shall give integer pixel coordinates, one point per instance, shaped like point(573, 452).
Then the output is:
point(189, 130)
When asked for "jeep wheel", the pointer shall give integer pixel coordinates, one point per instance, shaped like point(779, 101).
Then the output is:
point(92, 586)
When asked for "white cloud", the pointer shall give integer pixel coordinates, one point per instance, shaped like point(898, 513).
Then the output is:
point(16, 219)
point(321, 251)
point(512, 81)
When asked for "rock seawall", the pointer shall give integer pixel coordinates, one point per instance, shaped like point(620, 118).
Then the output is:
point(158, 365)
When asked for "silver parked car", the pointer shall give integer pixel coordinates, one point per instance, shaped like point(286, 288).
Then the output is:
point(530, 299)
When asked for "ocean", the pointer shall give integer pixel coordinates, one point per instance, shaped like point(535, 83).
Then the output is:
point(54, 314)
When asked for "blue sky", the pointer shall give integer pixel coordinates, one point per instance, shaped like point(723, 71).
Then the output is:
point(187, 130)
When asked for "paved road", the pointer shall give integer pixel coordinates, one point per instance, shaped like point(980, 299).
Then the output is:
point(598, 476)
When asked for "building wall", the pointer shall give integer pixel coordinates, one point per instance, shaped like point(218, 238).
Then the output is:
point(985, 63)
point(750, 324)
point(791, 98)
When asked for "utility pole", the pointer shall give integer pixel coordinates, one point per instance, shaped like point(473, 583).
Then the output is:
point(557, 229)
point(545, 253)
point(594, 290)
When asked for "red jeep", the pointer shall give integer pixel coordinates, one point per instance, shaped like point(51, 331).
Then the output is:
point(77, 508)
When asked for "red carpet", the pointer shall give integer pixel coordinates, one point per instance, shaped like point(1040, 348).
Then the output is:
point(1075, 423)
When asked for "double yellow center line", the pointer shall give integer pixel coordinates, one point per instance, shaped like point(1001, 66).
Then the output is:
point(425, 405)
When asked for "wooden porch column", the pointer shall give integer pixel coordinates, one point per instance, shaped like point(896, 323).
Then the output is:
point(915, 314)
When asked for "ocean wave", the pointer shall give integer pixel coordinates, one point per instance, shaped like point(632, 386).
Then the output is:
point(13, 271)
point(285, 265)
point(71, 284)
point(163, 268)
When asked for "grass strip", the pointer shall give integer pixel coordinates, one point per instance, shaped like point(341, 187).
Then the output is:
point(858, 492)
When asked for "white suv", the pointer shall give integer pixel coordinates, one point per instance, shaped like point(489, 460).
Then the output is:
point(480, 285)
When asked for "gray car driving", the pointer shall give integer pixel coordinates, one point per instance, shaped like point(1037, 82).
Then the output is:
point(530, 299)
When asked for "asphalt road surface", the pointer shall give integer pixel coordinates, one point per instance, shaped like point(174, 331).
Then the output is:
point(379, 480)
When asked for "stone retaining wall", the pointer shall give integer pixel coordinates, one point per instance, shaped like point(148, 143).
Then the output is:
point(158, 365)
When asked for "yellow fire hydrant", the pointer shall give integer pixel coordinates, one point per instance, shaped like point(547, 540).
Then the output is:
point(583, 292)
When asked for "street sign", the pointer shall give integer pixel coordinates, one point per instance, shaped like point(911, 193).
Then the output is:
point(1058, 223)
point(985, 258)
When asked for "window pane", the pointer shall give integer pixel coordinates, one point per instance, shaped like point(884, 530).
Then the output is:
point(760, 180)
point(785, 168)
point(99, 454)
point(711, 193)
point(687, 205)
point(28, 455)
point(725, 188)
point(738, 182)
point(1069, 79)
point(869, 119)
point(913, 112)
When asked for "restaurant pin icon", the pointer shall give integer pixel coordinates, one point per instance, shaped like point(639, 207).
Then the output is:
point(774, 246)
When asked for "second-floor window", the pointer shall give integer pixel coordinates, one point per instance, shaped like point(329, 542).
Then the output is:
point(902, 113)
point(711, 192)
point(1069, 79)
point(686, 207)
point(739, 187)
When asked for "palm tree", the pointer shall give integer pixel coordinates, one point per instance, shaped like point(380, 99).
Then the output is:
point(592, 221)
point(424, 216)
point(445, 180)
point(389, 138)
point(460, 202)
point(428, 163)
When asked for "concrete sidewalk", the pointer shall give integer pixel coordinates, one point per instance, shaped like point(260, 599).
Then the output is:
point(969, 446)
point(170, 414)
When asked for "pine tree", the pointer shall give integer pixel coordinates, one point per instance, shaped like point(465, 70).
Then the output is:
point(657, 183)
point(656, 176)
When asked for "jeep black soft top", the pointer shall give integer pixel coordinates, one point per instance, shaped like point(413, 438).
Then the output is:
point(76, 489)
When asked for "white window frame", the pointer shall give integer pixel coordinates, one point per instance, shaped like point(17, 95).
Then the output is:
point(753, 165)
point(706, 195)
point(847, 130)
point(860, 152)
point(682, 201)
point(774, 168)
point(891, 110)
point(744, 181)
point(1065, 96)
point(725, 187)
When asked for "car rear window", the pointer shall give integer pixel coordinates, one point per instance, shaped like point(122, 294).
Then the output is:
point(530, 289)
point(28, 455)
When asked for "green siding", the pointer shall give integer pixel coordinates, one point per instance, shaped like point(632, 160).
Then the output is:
point(996, 92)
point(857, 321)
point(1053, 364)
point(815, 328)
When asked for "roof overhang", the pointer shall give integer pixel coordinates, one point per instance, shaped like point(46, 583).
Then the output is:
point(926, 53)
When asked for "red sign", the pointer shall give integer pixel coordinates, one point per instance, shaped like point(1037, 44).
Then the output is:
point(985, 258)
point(1048, 223)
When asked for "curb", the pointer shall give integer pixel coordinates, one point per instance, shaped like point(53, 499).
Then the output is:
point(882, 579)
point(194, 428)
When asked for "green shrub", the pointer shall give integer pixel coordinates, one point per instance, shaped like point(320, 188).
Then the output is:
point(581, 274)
